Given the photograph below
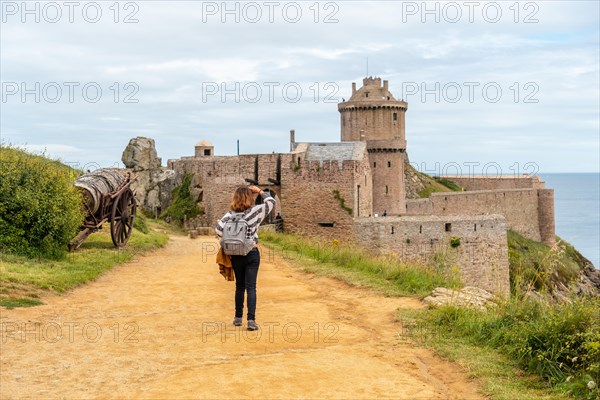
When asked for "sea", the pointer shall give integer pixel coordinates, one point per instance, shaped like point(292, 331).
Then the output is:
point(577, 210)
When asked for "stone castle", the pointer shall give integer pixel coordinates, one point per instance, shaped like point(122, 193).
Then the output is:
point(355, 190)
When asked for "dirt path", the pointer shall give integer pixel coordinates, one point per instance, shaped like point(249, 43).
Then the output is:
point(160, 327)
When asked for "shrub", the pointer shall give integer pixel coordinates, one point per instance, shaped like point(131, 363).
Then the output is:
point(40, 209)
point(536, 266)
point(183, 205)
point(559, 342)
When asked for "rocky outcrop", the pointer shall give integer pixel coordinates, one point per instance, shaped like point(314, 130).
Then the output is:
point(154, 185)
point(466, 297)
point(140, 154)
point(414, 182)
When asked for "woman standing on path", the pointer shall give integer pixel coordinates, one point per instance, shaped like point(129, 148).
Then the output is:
point(246, 267)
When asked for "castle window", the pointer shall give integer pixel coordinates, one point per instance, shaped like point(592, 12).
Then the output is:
point(395, 116)
point(374, 165)
point(386, 189)
point(389, 164)
point(475, 227)
point(327, 224)
point(207, 152)
point(367, 94)
point(392, 230)
point(448, 227)
point(420, 228)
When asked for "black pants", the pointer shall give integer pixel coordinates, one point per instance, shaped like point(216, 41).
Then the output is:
point(246, 272)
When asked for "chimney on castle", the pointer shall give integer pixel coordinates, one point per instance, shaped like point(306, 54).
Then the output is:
point(292, 139)
point(385, 85)
point(353, 88)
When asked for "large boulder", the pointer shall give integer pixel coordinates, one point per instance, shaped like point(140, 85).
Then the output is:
point(140, 154)
point(154, 185)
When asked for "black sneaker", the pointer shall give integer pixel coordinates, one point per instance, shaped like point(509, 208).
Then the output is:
point(252, 325)
point(237, 322)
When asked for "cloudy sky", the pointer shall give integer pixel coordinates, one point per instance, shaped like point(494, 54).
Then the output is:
point(489, 84)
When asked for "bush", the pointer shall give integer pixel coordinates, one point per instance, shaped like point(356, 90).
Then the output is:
point(40, 209)
point(183, 205)
point(536, 266)
point(559, 342)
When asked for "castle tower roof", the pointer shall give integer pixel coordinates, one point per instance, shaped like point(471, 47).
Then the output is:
point(204, 143)
point(372, 91)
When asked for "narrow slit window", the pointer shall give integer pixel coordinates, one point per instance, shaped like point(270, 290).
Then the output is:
point(420, 228)
point(374, 164)
point(448, 227)
point(389, 164)
point(327, 224)
point(387, 189)
point(475, 227)
point(392, 230)
point(395, 116)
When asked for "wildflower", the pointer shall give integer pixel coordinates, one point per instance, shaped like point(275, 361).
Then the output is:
point(591, 385)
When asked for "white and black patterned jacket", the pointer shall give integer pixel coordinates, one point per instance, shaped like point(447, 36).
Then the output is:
point(253, 216)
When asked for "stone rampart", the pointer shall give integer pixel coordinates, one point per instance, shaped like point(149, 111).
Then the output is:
point(474, 247)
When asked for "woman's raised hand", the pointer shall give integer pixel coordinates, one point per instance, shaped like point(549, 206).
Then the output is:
point(254, 189)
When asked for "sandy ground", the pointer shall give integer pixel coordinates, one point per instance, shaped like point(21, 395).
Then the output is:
point(160, 327)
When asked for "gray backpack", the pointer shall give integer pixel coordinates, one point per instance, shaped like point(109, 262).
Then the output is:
point(234, 240)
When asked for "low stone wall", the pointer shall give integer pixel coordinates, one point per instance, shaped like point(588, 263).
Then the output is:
point(476, 246)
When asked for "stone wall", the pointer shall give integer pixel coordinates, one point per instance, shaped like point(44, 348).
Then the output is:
point(527, 211)
point(480, 258)
point(387, 168)
point(216, 178)
point(497, 183)
point(308, 196)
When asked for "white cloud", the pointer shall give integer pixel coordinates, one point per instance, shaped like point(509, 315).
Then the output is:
point(171, 52)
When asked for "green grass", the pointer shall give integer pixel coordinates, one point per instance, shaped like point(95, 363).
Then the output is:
point(19, 302)
point(432, 185)
point(26, 277)
point(536, 266)
point(557, 344)
point(345, 262)
point(448, 183)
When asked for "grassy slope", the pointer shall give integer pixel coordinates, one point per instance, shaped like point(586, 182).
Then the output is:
point(385, 274)
point(536, 266)
point(426, 185)
point(23, 280)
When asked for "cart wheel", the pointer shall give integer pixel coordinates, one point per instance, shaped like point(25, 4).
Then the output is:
point(121, 218)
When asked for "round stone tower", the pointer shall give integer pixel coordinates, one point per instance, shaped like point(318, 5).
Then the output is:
point(374, 115)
